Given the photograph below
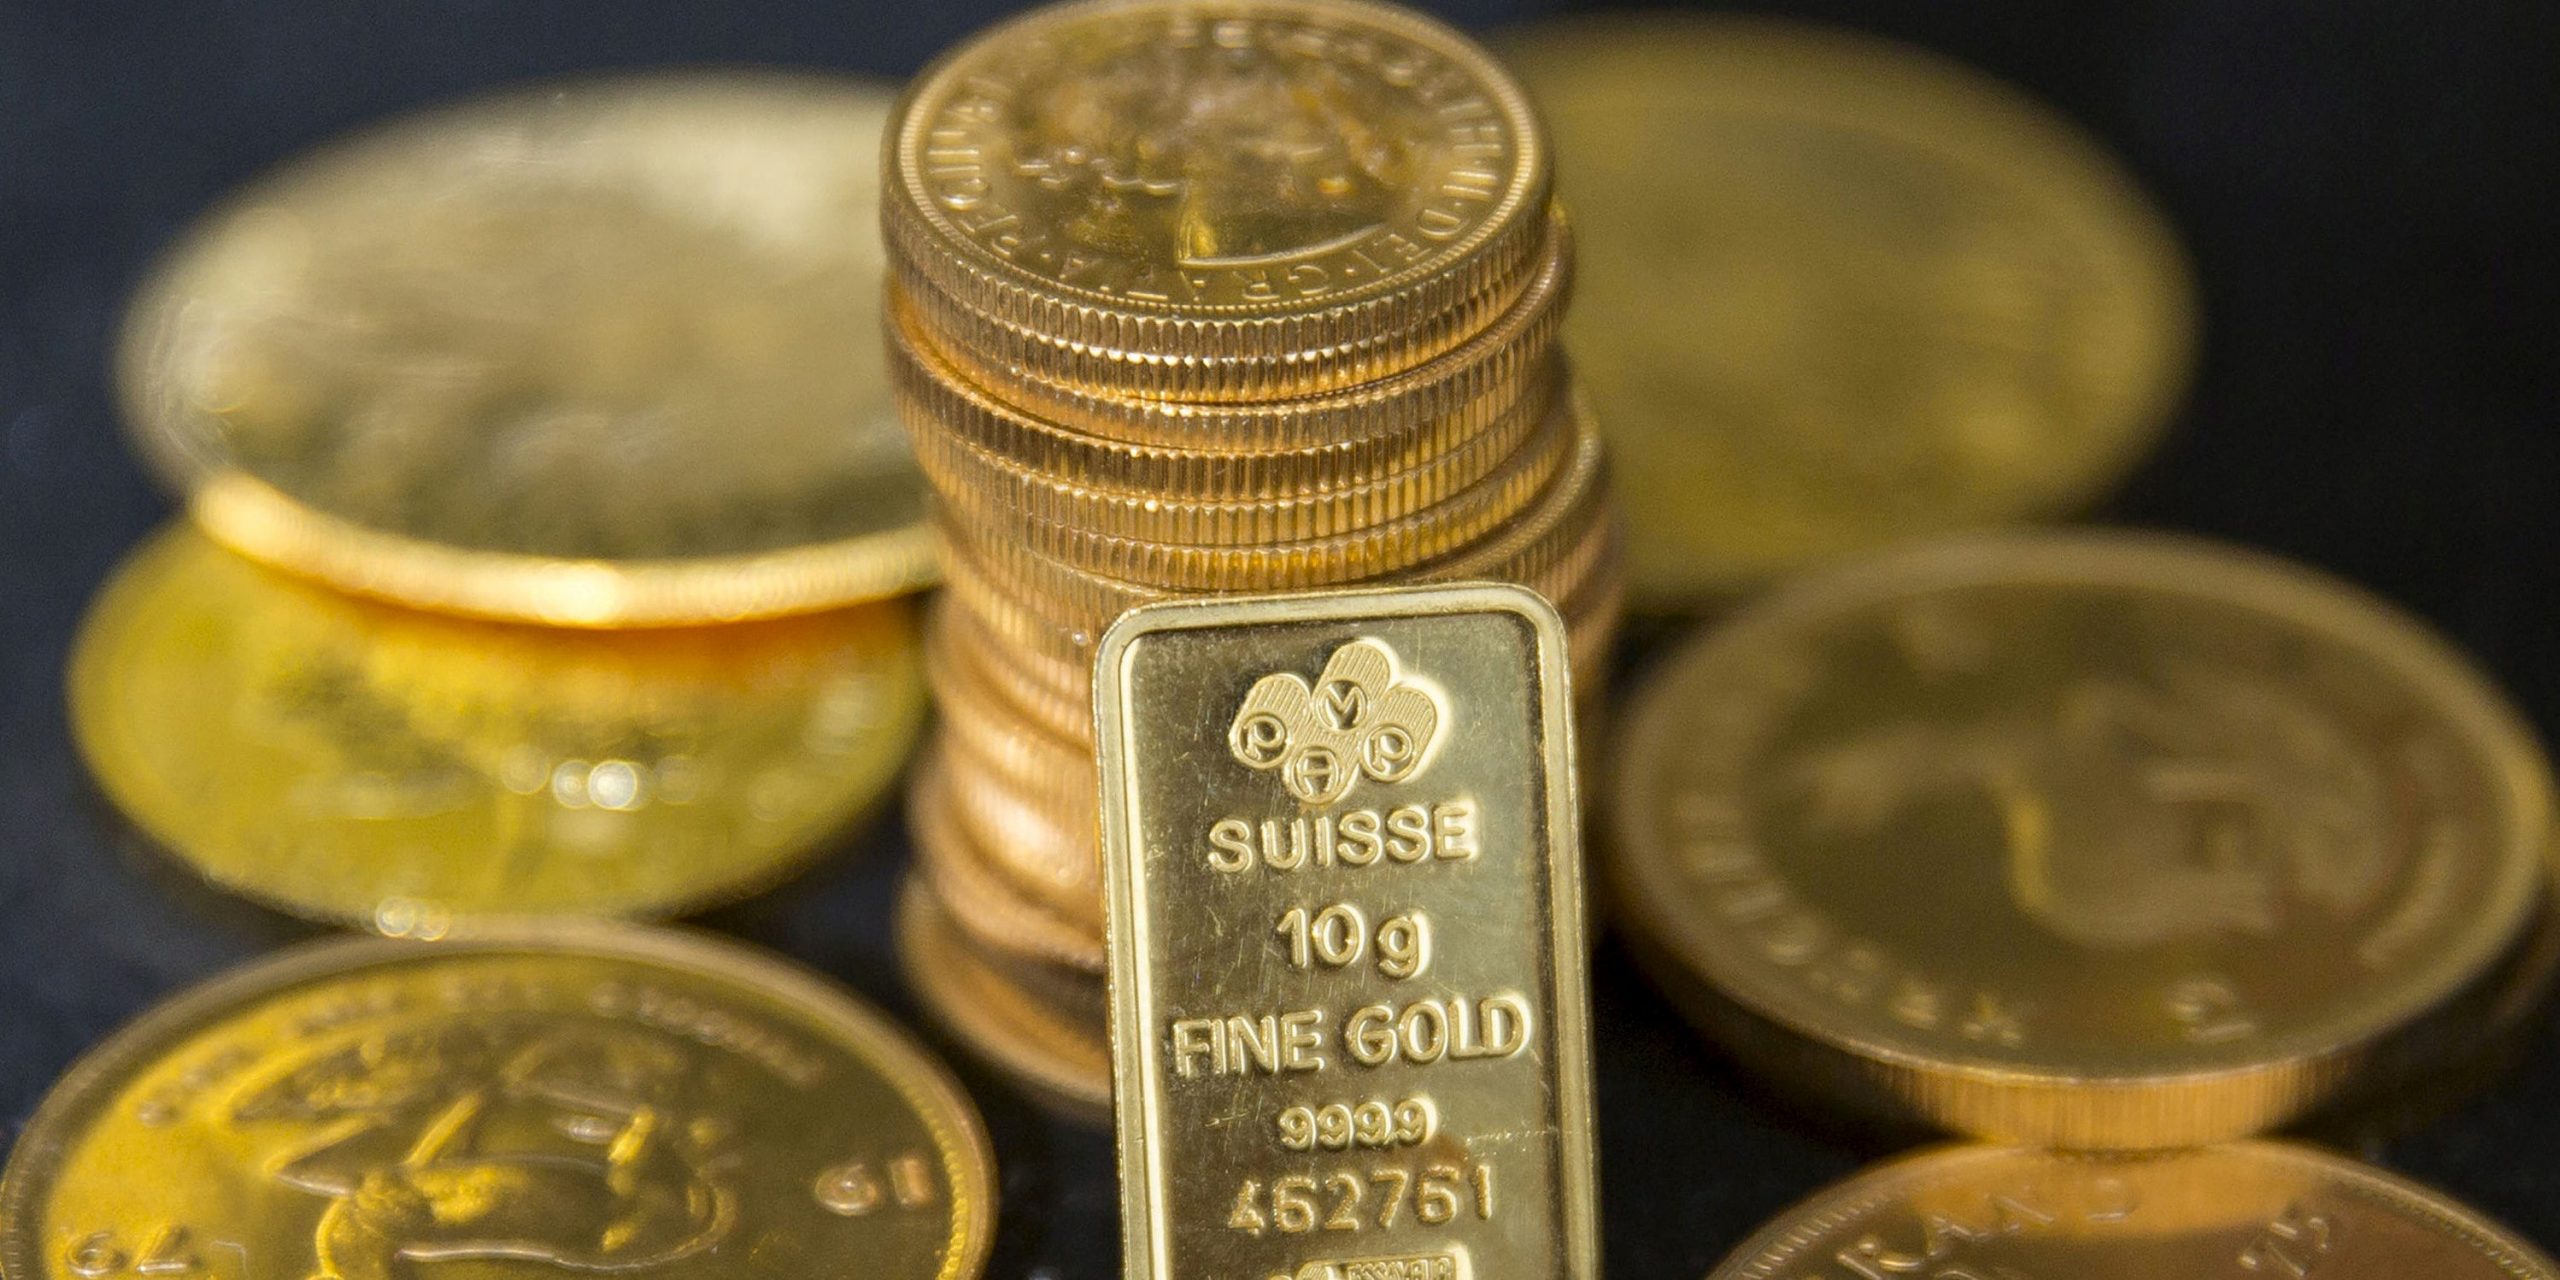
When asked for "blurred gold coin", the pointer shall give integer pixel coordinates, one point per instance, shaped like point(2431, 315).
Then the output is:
point(2245, 1209)
point(590, 353)
point(1836, 293)
point(2099, 840)
point(586, 1100)
point(1057, 1051)
point(1243, 200)
point(413, 772)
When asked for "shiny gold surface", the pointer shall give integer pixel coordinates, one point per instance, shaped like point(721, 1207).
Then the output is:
point(585, 354)
point(2098, 840)
point(590, 1100)
point(1348, 1018)
point(412, 773)
point(2234, 1212)
point(1053, 1048)
point(1237, 200)
point(1837, 293)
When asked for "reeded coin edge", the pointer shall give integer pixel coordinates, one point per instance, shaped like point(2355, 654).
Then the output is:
point(2306, 1059)
point(821, 1003)
point(1774, 1250)
point(949, 978)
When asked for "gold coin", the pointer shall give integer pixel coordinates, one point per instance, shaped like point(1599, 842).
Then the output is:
point(988, 902)
point(2101, 840)
point(1057, 1051)
point(1250, 448)
point(1837, 293)
point(584, 354)
point(585, 1100)
point(1536, 535)
point(1244, 200)
point(2245, 1209)
point(410, 772)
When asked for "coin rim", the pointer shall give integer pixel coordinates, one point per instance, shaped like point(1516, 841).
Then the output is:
point(1778, 1246)
point(1998, 121)
point(264, 522)
point(104, 642)
point(855, 1026)
point(2181, 566)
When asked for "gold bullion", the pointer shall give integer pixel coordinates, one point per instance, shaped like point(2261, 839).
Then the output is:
point(1054, 1049)
point(1253, 448)
point(583, 354)
point(583, 1100)
point(1348, 1005)
point(2102, 840)
point(2238, 1211)
point(1837, 293)
point(1239, 200)
point(1535, 541)
point(1233, 562)
point(410, 772)
point(999, 908)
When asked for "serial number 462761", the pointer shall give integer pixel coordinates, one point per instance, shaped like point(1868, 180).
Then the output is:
point(1356, 1200)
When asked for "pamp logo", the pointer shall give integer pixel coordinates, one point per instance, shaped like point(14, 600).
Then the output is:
point(1360, 718)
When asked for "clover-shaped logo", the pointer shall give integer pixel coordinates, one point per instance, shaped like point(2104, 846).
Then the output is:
point(1358, 719)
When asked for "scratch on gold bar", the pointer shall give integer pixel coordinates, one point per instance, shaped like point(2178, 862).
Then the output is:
point(1348, 1030)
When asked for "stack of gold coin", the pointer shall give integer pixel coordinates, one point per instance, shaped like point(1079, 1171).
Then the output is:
point(534, 417)
point(1238, 298)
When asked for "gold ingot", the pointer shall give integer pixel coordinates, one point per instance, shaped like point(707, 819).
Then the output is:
point(1053, 1049)
point(2099, 840)
point(1836, 293)
point(2244, 1209)
point(583, 1099)
point(576, 355)
point(1250, 448)
point(1243, 200)
point(1349, 1019)
point(415, 773)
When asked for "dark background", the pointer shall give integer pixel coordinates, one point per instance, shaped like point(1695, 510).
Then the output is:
point(2365, 189)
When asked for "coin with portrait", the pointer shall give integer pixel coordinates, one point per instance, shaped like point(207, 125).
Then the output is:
point(2100, 840)
point(412, 772)
point(587, 1100)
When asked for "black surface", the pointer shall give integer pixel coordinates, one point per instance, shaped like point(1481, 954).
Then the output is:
point(2364, 189)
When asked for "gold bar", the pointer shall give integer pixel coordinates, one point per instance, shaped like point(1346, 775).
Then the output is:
point(1348, 1006)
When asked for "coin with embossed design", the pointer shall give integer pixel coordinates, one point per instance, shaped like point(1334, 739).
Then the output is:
point(414, 772)
point(594, 353)
point(2237, 1211)
point(1836, 293)
point(1238, 200)
point(2101, 840)
point(588, 1100)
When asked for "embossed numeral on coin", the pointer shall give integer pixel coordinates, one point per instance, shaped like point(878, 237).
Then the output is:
point(855, 1187)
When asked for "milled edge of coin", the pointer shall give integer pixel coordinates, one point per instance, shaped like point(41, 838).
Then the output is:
point(109, 617)
point(266, 524)
point(1253, 448)
point(865, 1032)
point(1020, 1037)
point(1898, 75)
point(1570, 1040)
point(2239, 1091)
point(1086, 338)
point(1879, 1186)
